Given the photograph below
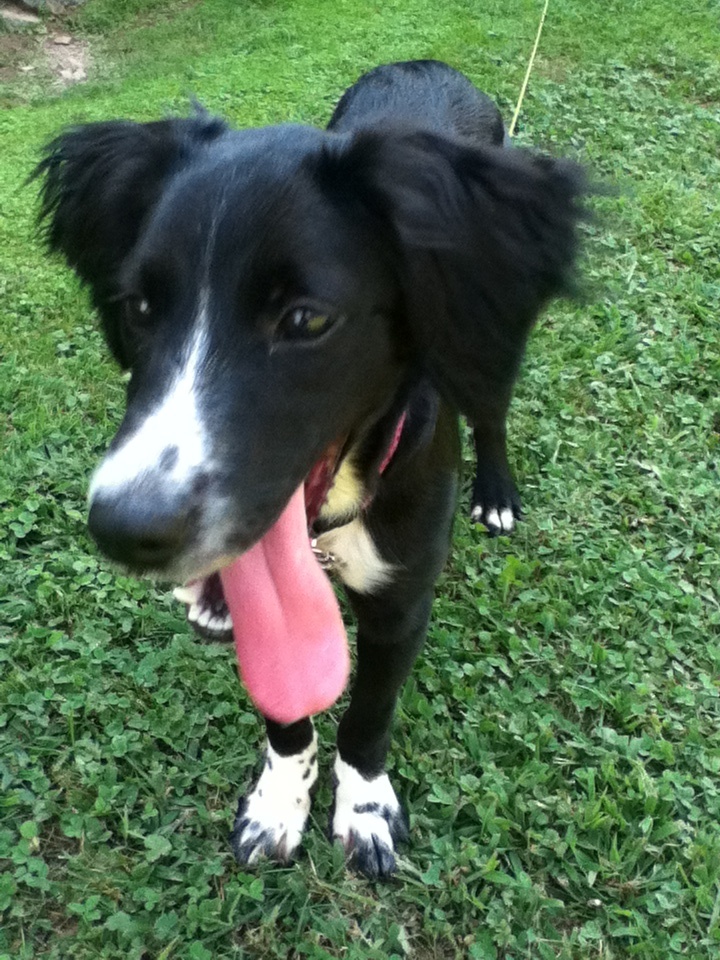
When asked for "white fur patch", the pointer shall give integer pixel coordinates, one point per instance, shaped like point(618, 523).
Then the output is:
point(174, 425)
point(507, 519)
point(273, 816)
point(493, 518)
point(358, 561)
point(364, 809)
point(503, 520)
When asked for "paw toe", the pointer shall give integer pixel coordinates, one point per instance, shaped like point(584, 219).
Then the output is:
point(250, 841)
point(492, 521)
point(495, 500)
point(372, 856)
point(499, 518)
point(368, 820)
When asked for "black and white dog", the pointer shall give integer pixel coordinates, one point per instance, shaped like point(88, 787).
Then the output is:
point(310, 310)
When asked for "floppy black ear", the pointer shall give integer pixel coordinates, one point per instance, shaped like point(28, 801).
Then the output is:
point(99, 183)
point(485, 237)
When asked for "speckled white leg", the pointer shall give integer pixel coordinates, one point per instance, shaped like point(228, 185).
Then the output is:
point(368, 819)
point(270, 820)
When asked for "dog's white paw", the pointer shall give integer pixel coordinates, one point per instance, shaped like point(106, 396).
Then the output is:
point(496, 521)
point(368, 820)
point(270, 819)
point(495, 500)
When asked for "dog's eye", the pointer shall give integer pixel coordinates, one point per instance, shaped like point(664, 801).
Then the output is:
point(138, 309)
point(304, 323)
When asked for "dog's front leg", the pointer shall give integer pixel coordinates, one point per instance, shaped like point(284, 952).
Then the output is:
point(271, 817)
point(367, 817)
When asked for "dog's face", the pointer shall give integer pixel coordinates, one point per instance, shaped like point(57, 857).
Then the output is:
point(269, 291)
point(257, 319)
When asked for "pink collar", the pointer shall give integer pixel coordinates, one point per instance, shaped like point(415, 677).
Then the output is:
point(387, 459)
point(321, 477)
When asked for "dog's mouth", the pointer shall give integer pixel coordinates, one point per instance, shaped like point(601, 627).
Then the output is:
point(277, 604)
point(207, 612)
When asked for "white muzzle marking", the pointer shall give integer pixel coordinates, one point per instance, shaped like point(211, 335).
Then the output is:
point(172, 429)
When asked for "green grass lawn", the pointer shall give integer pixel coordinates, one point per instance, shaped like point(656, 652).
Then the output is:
point(558, 746)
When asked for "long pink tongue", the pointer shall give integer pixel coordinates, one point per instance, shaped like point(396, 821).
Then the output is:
point(290, 640)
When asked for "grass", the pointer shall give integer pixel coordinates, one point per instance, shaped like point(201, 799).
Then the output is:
point(558, 745)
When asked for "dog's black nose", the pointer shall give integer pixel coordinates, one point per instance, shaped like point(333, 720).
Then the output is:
point(141, 533)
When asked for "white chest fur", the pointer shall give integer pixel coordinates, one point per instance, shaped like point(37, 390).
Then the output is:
point(357, 560)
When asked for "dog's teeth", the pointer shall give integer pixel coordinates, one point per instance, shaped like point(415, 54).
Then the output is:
point(194, 612)
point(204, 618)
point(227, 623)
point(189, 594)
point(216, 624)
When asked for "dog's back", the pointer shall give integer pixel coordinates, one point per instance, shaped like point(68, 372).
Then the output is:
point(421, 94)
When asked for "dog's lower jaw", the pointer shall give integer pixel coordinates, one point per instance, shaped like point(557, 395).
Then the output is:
point(368, 820)
point(271, 818)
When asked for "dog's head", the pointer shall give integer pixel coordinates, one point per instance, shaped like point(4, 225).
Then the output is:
point(272, 290)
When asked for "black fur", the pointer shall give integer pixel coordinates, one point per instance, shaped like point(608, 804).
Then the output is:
point(99, 183)
point(444, 197)
point(430, 246)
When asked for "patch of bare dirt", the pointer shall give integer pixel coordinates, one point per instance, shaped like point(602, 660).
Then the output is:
point(13, 48)
point(41, 51)
point(68, 58)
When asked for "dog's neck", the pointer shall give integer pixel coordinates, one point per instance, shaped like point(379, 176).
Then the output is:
point(335, 496)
